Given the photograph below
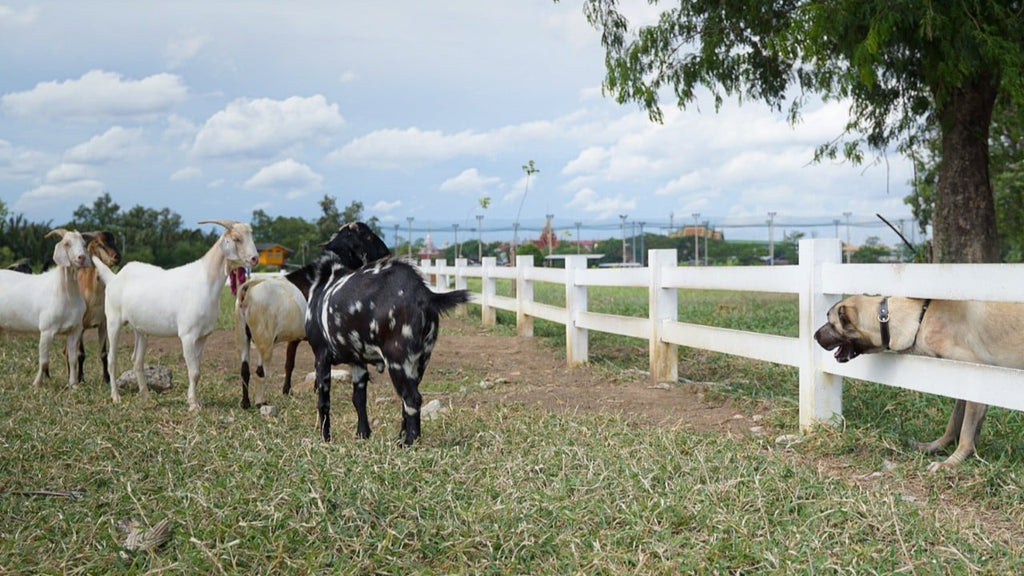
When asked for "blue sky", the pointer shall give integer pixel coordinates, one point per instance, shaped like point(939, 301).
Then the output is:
point(416, 109)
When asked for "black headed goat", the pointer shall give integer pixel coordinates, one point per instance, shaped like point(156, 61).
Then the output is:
point(383, 315)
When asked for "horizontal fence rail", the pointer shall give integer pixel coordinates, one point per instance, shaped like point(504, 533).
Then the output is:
point(819, 280)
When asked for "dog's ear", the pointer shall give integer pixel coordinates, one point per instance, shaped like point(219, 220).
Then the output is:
point(847, 316)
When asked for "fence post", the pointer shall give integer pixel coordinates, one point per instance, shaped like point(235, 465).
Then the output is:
point(524, 293)
point(460, 281)
point(663, 305)
point(821, 394)
point(488, 288)
point(576, 339)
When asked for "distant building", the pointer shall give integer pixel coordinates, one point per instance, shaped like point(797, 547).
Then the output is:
point(273, 254)
point(699, 231)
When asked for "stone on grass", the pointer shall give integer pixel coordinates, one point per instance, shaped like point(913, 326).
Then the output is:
point(158, 379)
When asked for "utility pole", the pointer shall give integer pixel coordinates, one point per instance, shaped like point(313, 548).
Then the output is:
point(771, 238)
point(409, 219)
point(578, 239)
point(455, 227)
point(623, 217)
point(696, 239)
point(848, 245)
point(550, 231)
point(642, 247)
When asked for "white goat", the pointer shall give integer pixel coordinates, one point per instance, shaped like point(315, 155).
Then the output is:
point(182, 302)
point(267, 311)
point(48, 303)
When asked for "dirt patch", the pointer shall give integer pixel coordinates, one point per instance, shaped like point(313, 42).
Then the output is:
point(513, 369)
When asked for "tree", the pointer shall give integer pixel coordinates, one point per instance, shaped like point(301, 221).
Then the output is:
point(104, 214)
point(903, 67)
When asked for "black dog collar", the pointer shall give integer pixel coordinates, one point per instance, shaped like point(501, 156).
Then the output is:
point(883, 321)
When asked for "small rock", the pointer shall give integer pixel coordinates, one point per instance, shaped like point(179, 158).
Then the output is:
point(662, 386)
point(488, 383)
point(268, 411)
point(788, 440)
point(433, 410)
point(337, 375)
point(757, 430)
point(158, 379)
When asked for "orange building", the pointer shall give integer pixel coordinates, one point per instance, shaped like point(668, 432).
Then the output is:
point(272, 254)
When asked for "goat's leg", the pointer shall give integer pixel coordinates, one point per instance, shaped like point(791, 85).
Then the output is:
point(407, 386)
point(264, 358)
point(80, 358)
point(113, 328)
point(289, 366)
point(246, 340)
point(102, 336)
point(360, 379)
point(139, 365)
point(956, 420)
point(45, 341)
point(973, 418)
point(323, 397)
point(192, 349)
point(74, 368)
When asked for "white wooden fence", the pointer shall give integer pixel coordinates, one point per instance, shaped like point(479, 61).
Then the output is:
point(819, 280)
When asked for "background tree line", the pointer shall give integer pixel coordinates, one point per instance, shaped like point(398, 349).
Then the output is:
point(160, 237)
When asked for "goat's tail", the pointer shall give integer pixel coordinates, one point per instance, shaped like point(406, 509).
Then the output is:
point(443, 301)
point(104, 271)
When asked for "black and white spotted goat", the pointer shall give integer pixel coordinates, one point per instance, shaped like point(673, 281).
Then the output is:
point(383, 315)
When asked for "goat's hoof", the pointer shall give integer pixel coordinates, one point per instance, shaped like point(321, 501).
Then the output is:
point(245, 404)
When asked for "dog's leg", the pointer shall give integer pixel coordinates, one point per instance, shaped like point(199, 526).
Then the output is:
point(952, 433)
point(973, 418)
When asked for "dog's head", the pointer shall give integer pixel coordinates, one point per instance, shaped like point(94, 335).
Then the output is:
point(852, 328)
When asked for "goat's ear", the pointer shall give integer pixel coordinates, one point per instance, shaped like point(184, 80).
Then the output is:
point(60, 255)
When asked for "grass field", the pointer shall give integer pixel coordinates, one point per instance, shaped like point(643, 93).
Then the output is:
point(507, 490)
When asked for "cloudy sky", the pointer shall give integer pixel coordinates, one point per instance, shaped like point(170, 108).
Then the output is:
point(416, 109)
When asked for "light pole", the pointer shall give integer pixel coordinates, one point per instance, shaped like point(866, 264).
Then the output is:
point(455, 227)
point(642, 243)
point(409, 219)
point(550, 232)
point(480, 238)
point(696, 239)
point(623, 217)
point(771, 238)
point(847, 249)
point(578, 239)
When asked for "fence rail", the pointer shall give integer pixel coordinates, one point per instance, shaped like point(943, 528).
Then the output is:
point(818, 280)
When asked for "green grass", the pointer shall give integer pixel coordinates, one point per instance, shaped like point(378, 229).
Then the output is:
point(502, 490)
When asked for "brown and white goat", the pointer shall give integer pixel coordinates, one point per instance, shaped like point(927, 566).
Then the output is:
point(103, 247)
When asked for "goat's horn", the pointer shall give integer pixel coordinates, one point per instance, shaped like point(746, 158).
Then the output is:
point(57, 231)
point(225, 223)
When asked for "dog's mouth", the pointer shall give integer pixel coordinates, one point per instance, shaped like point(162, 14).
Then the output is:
point(846, 352)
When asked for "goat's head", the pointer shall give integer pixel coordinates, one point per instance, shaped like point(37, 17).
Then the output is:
point(236, 242)
point(104, 246)
point(71, 249)
point(356, 244)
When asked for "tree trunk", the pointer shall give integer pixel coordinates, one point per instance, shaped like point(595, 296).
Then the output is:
point(964, 225)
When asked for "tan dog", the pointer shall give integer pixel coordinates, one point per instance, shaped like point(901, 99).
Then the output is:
point(969, 331)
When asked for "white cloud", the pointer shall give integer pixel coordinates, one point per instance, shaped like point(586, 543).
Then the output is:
point(187, 173)
point(347, 76)
point(180, 50)
point(384, 206)
point(50, 195)
point(288, 175)
point(469, 181)
point(601, 206)
point(412, 147)
point(18, 163)
point(263, 127)
point(115, 144)
point(65, 172)
point(18, 18)
point(98, 94)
